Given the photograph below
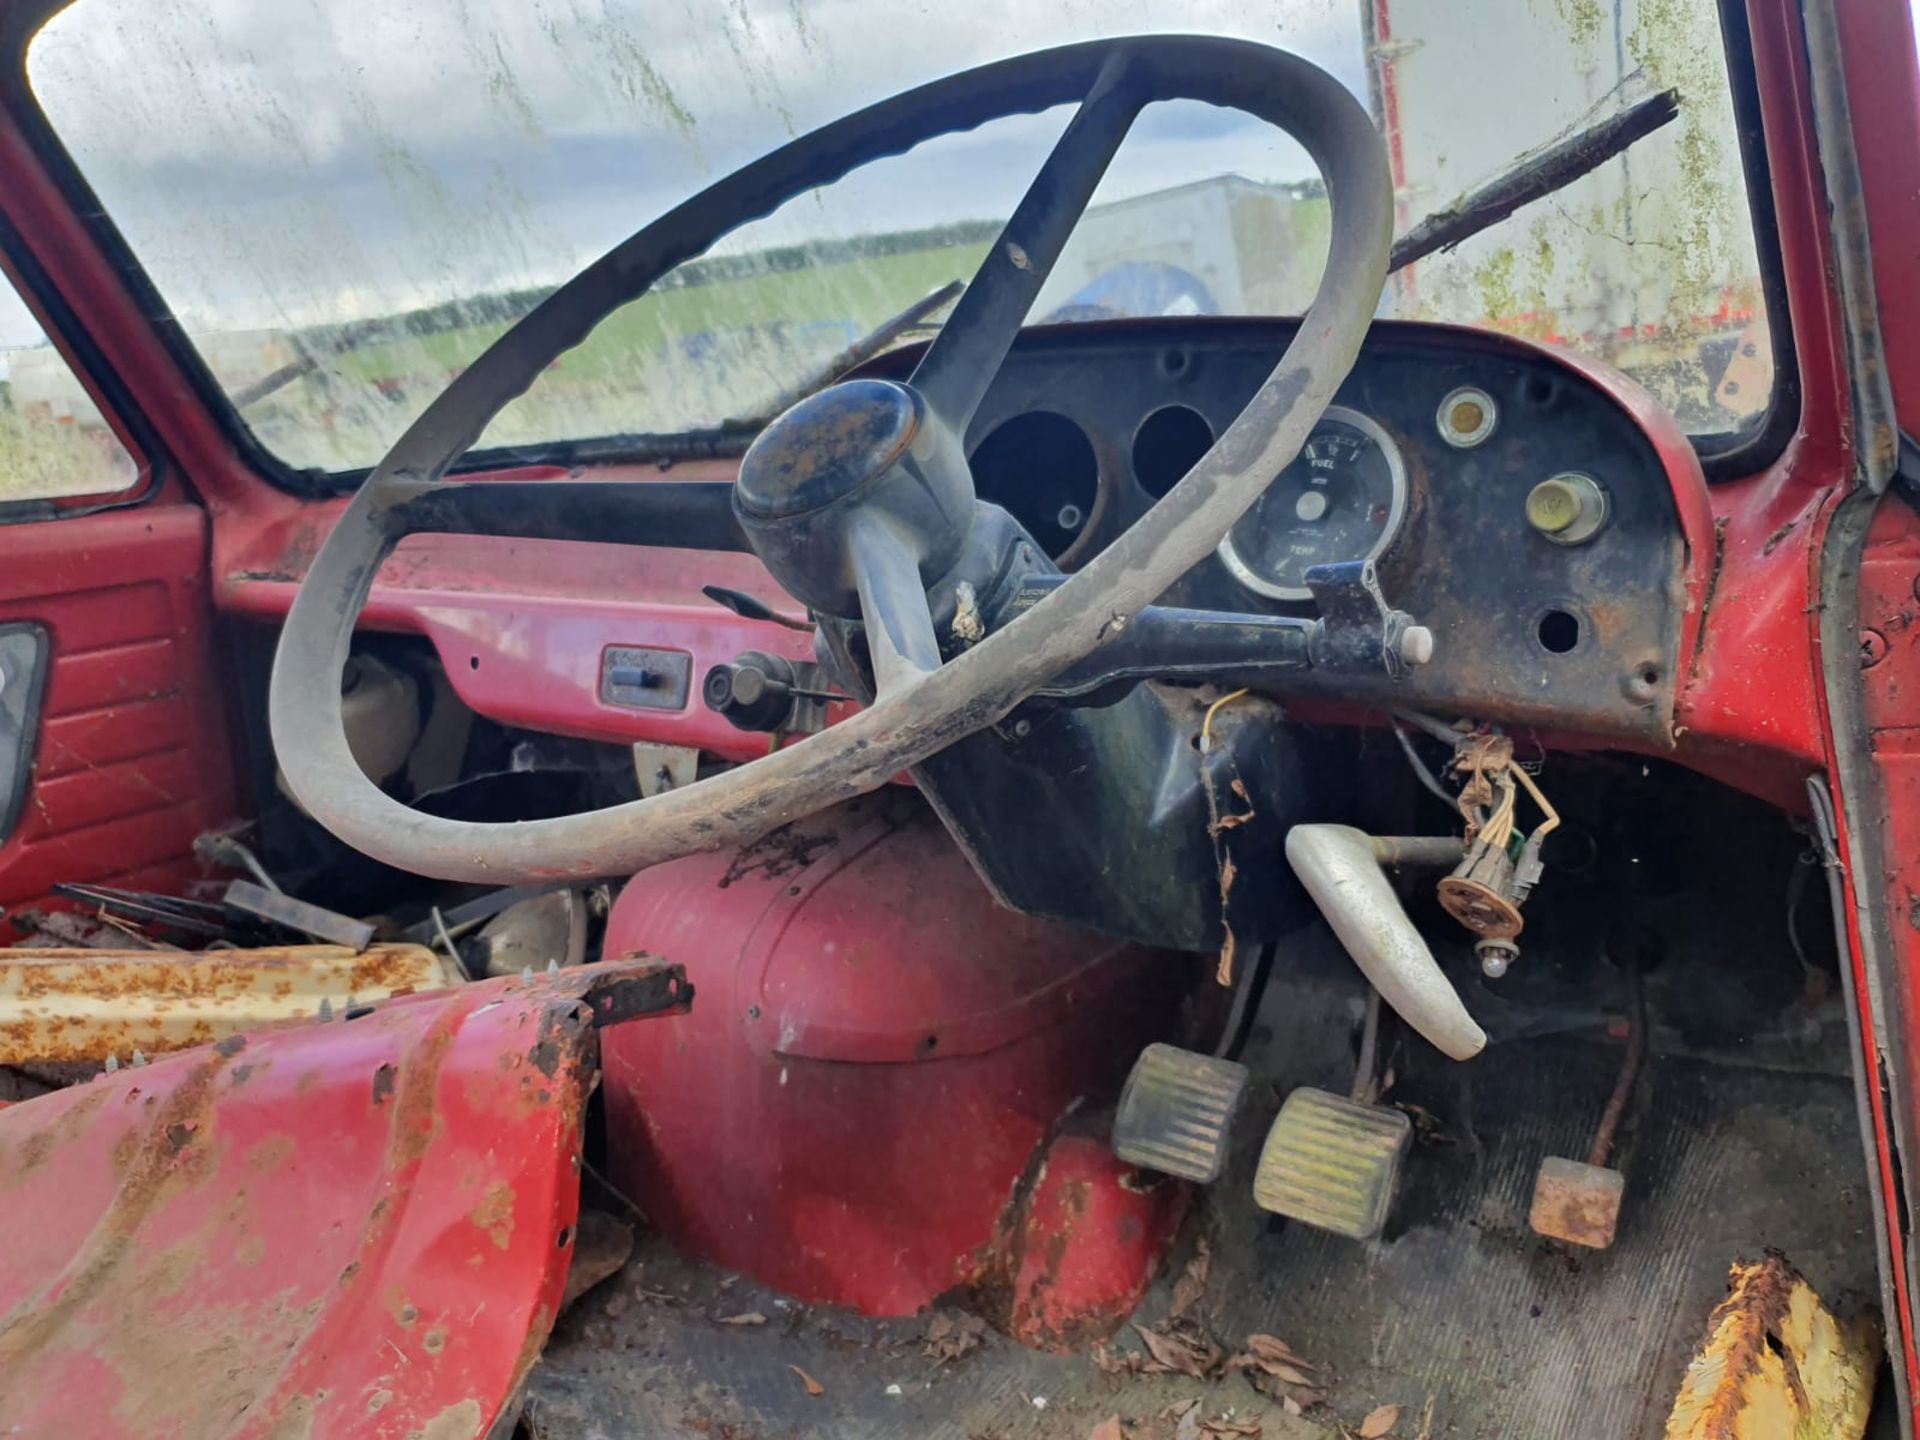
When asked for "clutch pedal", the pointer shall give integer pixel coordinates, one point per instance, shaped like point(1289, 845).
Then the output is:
point(1177, 1112)
point(1333, 1163)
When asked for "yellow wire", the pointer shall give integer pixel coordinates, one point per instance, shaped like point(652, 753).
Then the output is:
point(1552, 822)
point(1206, 725)
point(1498, 826)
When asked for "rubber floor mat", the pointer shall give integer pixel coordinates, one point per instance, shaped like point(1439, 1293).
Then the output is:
point(1508, 1334)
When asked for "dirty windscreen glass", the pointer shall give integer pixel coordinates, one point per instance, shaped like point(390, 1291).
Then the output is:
point(343, 203)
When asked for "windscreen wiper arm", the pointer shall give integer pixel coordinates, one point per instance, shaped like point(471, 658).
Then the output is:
point(859, 352)
point(1533, 177)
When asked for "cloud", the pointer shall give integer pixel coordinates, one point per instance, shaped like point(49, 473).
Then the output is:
point(274, 164)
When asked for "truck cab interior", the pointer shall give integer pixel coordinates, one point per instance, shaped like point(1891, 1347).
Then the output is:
point(1155, 721)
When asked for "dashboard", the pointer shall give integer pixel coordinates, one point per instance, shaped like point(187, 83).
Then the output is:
point(1439, 440)
point(1509, 500)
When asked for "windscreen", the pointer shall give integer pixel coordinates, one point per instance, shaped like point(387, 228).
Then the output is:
point(342, 204)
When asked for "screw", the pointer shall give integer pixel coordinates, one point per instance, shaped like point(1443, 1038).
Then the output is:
point(1873, 648)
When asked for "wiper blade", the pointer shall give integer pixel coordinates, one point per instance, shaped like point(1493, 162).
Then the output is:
point(1533, 177)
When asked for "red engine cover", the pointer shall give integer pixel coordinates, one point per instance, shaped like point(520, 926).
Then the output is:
point(854, 1112)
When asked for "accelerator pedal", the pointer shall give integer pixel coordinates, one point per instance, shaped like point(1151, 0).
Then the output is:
point(1177, 1112)
point(1333, 1163)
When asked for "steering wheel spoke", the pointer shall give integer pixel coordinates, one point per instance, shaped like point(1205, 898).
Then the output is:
point(893, 609)
point(879, 565)
point(679, 515)
point(954, 374)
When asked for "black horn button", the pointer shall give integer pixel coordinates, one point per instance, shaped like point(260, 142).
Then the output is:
point(826, 448)
point(865, 456)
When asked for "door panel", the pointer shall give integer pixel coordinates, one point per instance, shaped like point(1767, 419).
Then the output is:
point(132, 759)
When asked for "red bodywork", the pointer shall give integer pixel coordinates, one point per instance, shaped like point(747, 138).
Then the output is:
point(360, 1227)
point(1754, 711)
point(864, 1105)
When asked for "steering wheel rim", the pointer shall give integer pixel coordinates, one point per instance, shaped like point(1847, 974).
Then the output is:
point(907, 722)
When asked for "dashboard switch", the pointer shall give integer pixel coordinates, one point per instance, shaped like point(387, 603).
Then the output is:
point(644, 678)
point(1569, 509)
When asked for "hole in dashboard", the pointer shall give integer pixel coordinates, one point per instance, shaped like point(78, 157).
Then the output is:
point(1558, 631)
point(1166, 446)
point(1040, 468)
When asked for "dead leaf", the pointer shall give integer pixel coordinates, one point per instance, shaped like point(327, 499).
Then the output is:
point(1111, 1362)
point(812, 1386)
point(1272, 1347)
point(1107, 1429)
point(1282, 1371)
point(950, 1337)
point(752, 1317)
point(1224, 1427)
point(1271, 1355)
point(1380, 1421)
point(1292, 1406)
point(1188, 1426)
point(1192, 1283)
point(1180, 1354)
point(1278, 1369)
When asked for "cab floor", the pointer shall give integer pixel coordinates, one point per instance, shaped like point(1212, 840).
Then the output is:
point(1507, 1334)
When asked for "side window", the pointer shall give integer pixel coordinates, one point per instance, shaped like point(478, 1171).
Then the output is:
point(54, 443)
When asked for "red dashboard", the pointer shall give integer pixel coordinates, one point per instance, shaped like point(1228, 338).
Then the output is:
point(525, 627)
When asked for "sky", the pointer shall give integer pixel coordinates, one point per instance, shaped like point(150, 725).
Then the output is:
point(276, 164)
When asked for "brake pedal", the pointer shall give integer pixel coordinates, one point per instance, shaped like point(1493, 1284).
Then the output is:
point(1333, 1163)
point(1177, 1112)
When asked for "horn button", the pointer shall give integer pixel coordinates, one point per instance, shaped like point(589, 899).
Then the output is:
point(860, 455)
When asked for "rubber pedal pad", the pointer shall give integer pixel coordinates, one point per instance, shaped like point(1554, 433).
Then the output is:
point(1177, 1111)
point(1333, 1163)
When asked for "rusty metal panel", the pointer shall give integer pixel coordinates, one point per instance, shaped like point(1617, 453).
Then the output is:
point(1776, 1362)
point(355, 1228)
point(1576, 1203)
point(63, 1005)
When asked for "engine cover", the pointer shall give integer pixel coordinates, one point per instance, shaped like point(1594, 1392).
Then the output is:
point(878, 1055)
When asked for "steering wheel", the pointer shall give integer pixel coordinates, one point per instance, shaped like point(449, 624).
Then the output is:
point(858, 498)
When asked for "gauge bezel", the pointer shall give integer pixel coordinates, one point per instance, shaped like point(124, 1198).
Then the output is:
point(1396, 509)
point(1467, 439)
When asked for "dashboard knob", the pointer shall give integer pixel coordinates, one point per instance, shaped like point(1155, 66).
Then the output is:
point(755, 692)
point(1416, 645)
point(1568, 509)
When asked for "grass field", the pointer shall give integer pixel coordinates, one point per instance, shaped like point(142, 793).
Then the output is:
point(42, 458)
point(674, 359)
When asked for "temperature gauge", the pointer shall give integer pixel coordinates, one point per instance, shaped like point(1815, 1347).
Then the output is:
point(1344, 498)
